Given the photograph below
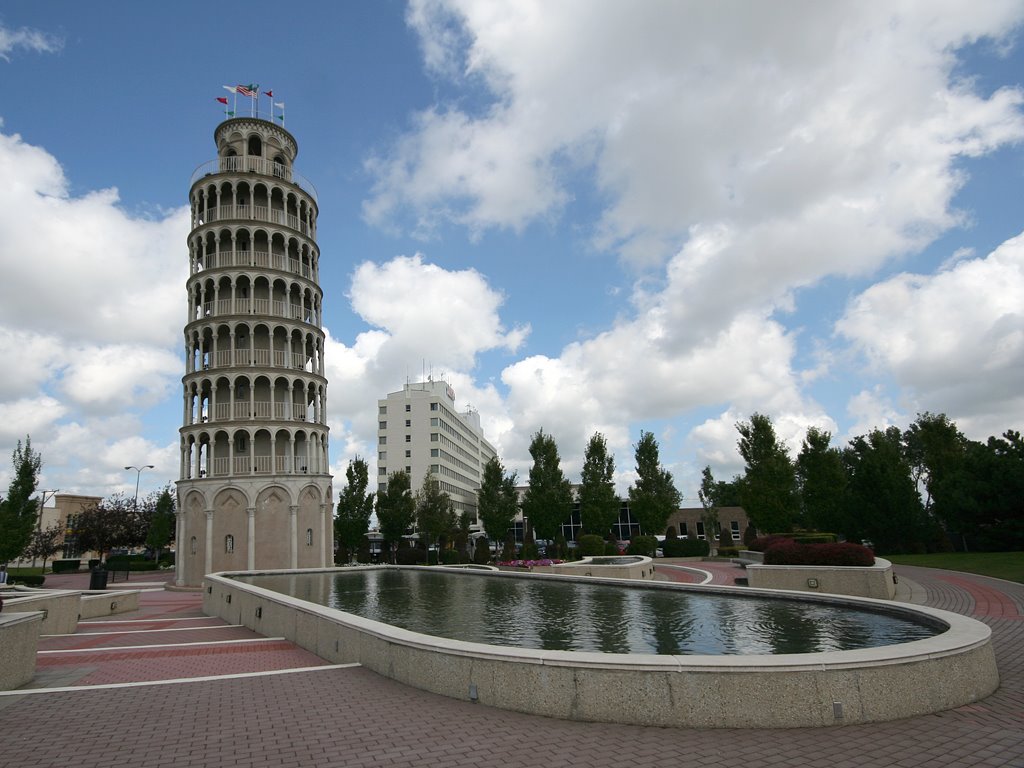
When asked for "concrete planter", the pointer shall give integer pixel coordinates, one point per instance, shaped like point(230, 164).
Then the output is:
point(876, 581)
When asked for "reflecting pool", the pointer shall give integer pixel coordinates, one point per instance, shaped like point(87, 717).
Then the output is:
point(571, 615)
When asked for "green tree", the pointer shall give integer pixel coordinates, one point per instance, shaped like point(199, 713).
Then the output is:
point(115, 522)
point(435, 516)
point(981, 501)
point(654, 497)
point(599, 504)
point(884, 505)
point(497, 501)
point(934, 448)
point(44, 543)
point(821, 482)
point(18, 510)
point(396, 510)
point(161, 523)
point(708, 495)
point(548, 500)
point(768, 490)
point(355, 506)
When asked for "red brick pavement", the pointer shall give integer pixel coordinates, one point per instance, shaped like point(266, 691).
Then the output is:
point(352, 717)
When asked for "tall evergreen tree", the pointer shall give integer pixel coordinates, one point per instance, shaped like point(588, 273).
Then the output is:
point(548, 501)
point(18, 510)
point(497, 502)
point(708, 495)
point(768, 491)
point(884, 505)
point(822, 482)
point(435, 516)
point(599, 504)
point(654, 495)
point(355, 506)
point(396, 510)
point(161, 523)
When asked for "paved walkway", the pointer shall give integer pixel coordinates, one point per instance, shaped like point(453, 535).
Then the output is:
point(249, 701)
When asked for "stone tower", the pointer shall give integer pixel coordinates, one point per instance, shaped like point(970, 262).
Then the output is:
point(254, 488)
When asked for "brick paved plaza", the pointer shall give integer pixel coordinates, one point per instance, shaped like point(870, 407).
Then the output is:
point(252, 708)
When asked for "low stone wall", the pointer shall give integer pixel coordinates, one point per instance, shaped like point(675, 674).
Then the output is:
point(642, 568)
point(876, 581)
point(953, 668)
point(96, 604)
point(60, 608)
point(19, 640)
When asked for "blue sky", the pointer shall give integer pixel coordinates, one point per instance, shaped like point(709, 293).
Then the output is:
point(585, 215)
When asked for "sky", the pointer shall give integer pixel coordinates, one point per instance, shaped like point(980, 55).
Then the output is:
point(585, 215)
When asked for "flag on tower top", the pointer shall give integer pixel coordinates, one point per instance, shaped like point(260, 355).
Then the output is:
point(230, 88)
point(222, 100)
point(269, 93)
point(246, 90)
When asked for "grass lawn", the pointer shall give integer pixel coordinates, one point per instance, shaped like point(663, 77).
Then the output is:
point(1001, 565)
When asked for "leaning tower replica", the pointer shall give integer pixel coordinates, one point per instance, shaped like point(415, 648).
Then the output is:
point(254, 488)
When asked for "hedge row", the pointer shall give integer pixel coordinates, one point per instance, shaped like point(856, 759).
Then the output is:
point(685, 548)
point(789, 552)
point(65, 566)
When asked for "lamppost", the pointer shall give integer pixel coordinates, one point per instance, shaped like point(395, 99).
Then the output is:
point(39, 520)
point(138, 477)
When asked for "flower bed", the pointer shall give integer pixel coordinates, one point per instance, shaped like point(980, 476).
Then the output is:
point(529, 563)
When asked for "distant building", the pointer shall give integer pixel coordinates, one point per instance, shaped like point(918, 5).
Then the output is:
point(733, 520)
point(419, 430)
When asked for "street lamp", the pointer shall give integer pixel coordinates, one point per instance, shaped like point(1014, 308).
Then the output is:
point(135, 505)
point(44, 496)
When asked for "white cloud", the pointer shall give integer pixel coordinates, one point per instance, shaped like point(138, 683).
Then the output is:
point(90, 320)
point(29, 39)
point(954, 340)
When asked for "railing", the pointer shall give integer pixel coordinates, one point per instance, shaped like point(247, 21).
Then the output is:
point(245, 410)
point(250, 213)
point(262, 259)
point(264, 307)
point(262, 465)
point(264, 358)
point(246, 164)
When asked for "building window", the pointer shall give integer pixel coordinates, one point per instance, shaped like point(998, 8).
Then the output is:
point(435, 452)
point(382, 425)
point(408, 438)
point(382, 456)
point(309, 537)
point(382, 440)
point(408, 454)
point(382, 470)
point(433, 437)
point(408, 470)
point(434, 421)
point(735, 526)
point(683, 532)
point(433, 406)
point(240, 444)
point(700, 530)
point(383, 410)
point(435, 468)
point(408, 422)
point(408, 407)
point(229, 543)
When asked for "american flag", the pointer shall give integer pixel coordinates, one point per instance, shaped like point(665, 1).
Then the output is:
point(244, 90)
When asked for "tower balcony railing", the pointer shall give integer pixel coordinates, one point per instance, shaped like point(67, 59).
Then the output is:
point(260, 358)
point(246, 164)
point(249, 410)
point(224, 466)
point(250, 213)
point(260, 259)
point(265, 307)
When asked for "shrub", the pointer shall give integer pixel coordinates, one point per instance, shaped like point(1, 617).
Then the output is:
point(66, 566)
point(728, 551)
point(642, 545)
point(482, 553)
point(530, 551)
point(762, 543)
point(18, 576)
point(611, 549)
point(686, 548)
point(508, 551)
point(450, 557)
point(670, 532)
point(590, 545)
point(749, 535)
point(844, 554)
point(410, 556)
point(816, 538)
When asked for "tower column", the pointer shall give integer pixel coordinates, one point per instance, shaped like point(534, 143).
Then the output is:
point(251, 546)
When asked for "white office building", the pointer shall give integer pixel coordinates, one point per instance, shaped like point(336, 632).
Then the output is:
point(420, 430)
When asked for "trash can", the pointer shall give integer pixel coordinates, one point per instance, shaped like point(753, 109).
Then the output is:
point(98, 578)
